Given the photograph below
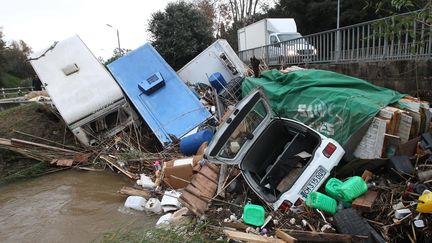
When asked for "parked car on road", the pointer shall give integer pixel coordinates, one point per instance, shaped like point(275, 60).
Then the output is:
point(281, 159)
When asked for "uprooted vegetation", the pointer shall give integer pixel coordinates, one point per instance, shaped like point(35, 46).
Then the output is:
point(31, 122)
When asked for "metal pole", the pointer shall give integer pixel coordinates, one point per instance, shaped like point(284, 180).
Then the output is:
point(118, 40)
point(118, 37)
point(338, 32)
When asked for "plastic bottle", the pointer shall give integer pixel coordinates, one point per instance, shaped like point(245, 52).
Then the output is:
point(153, 205)
point(353, 188)
point(332, 188)
point(425, 202)
point(146, 182)
point(135, 202)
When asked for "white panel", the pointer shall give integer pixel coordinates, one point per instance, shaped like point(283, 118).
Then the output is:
point(256, 34)
point(87, 87)
point(208, 62)
point(285, 25)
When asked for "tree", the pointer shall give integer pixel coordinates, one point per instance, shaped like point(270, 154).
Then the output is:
point(180, 32)
point(16, 55)
point(319, 15)
point(2, 52)
point(117, 53)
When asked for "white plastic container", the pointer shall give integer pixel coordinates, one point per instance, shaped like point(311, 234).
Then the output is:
point(170, 201)
point(164, 219)
point(135, 202)
point(146, 182)
point(153, 205)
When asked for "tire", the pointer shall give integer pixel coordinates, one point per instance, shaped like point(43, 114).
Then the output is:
point(348, 221)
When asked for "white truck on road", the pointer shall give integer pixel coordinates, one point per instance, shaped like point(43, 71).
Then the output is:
point(279, 34)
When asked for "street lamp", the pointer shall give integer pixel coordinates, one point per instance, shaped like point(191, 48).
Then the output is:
point(118, 37)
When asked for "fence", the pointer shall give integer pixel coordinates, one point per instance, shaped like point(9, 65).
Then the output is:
point(399, 37)
point(14, 92)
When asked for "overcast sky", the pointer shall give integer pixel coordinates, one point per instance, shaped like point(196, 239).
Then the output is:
point(41, 22)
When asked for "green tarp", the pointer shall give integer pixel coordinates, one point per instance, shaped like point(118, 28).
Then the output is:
point(334, 104)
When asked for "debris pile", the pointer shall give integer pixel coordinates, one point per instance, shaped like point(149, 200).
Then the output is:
point(197, 154)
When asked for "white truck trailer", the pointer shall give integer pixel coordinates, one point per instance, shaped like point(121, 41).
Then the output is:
point(280, 37)
point(86, 95)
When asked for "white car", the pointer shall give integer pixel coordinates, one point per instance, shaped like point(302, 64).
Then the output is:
point(282, 160)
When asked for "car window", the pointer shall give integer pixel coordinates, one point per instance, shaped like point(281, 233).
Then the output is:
point(244, 131)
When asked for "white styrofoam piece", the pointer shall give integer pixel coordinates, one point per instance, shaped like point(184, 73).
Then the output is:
point(170, 201)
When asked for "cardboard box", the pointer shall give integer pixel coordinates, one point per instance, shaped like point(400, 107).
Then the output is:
point(178, 173)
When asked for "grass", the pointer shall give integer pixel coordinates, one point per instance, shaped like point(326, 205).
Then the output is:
point(35, 119)
point(175, 233)
point(9, 81)
point(15, 168)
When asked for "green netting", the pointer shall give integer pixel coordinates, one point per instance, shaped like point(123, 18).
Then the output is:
point(334, 104)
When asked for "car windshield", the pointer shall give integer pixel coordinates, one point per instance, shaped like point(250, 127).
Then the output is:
point(244, 131)
point(292, 36)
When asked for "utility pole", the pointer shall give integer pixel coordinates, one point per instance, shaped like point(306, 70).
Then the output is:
point(118, 38)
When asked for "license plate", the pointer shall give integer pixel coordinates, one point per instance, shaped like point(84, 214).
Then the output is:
point(315, 179)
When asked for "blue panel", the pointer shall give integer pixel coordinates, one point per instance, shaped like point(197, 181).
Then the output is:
point(170, 109)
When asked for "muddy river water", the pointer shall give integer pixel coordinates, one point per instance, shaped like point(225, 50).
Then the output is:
point(70, 206)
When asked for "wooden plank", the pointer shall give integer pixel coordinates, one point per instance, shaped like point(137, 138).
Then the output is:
point(366, 201)
point(112, 163)
point(194, 203)
point(5, 142)
point(284, 236)
point(130, 191)
point(319, 236)
point(15, 141)
point(235, 225)
point(221, 180)
point(65, 162)
point(367, 175)
point(237, 235)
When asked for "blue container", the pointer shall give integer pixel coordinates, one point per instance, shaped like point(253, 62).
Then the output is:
point(189, 145)
point(217, 81)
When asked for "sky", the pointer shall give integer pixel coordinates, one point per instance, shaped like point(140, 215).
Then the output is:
point(41, 22)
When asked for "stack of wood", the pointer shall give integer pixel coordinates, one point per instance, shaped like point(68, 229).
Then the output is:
point(394, 126)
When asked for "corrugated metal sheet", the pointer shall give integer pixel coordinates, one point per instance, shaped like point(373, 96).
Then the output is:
point(170, 107)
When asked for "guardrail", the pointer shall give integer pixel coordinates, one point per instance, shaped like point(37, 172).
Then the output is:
point(14, 92)
point(399, 37)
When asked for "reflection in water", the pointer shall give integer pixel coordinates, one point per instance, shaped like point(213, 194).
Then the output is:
point(71, 206)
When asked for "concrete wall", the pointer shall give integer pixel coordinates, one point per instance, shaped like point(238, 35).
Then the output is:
point(410, 77)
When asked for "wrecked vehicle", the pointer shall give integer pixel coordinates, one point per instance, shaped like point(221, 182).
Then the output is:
point(282, 160)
